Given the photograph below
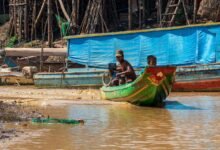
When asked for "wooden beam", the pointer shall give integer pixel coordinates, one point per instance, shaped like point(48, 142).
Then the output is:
point(64, 10)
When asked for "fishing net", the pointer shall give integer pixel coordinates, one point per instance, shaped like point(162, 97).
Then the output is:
point(54, 120)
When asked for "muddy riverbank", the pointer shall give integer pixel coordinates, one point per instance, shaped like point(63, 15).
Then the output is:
point(33, 93)
point(26, 94)
point(19, 104)
point(116, 125)
point(14, 113)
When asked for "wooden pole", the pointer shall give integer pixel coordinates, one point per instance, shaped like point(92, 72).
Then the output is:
point(77, 12)
point(144, 12)
point(20, 20)
point(74, 11)
point(129, 14)
point(40, 12)
point(26, 21)
point(195, 11)
point(185, 12)
point(41, 57)
point(74, 15)
point(33, 19)
point(49, 23)
point(160, 12)
point(15, 18)
point(64, 10)
point(140, 13)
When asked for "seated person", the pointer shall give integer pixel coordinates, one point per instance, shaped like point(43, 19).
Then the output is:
point(151, 61)
point(125, 71)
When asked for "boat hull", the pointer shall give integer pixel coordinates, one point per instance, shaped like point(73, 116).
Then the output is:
point(75, 78)
point(149, 89)
point(201, 78)
point(208, 85)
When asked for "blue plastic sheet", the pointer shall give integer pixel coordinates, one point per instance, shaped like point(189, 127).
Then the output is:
point(193, 45)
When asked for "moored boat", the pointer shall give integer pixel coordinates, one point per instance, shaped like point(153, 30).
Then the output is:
point(78, 77)
point(198, 78)
point(151, 88)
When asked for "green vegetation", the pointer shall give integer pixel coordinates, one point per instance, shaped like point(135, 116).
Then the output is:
point(12, 41)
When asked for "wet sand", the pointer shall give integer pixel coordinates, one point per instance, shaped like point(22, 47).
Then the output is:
point(20, 103)
point(13, 113)
point(31, 94)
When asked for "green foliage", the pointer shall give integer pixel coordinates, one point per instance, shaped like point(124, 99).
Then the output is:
point(12, 41)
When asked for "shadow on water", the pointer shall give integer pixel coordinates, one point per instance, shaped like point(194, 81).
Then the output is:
point(175, 105)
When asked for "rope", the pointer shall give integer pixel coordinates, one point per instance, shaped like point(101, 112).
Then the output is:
point(106, 74)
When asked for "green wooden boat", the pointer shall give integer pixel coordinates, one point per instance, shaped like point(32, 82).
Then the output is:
point(151, 88)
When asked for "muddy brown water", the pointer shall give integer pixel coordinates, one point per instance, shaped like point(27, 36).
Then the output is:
point(189, 121)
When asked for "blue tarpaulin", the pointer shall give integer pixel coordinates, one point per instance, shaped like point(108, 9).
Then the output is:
point(173, 46)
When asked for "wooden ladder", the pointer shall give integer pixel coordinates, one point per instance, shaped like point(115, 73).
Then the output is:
point(173, 6)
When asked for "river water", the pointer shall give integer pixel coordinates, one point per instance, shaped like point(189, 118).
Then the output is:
point(189, 121)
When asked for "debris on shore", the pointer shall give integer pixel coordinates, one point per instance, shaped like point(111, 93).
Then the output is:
point(13, 112)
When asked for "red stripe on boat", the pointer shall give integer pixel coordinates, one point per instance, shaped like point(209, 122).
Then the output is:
point(198, 85)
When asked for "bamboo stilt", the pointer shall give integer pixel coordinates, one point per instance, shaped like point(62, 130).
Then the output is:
point(64, 10)
point(49, 13)
point(41, 12)
point(195, 11)
point(129, 14)
point(26, 21)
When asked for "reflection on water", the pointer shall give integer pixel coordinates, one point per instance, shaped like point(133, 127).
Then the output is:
point(179, 106)
point(185, 123)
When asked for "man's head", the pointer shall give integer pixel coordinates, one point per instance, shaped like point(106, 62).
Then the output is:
point(152, 61)
point(119, 56)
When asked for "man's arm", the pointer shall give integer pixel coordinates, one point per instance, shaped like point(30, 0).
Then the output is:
point(127, 72)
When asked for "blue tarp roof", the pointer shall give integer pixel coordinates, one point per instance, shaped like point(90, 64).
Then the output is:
point(175, 46)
